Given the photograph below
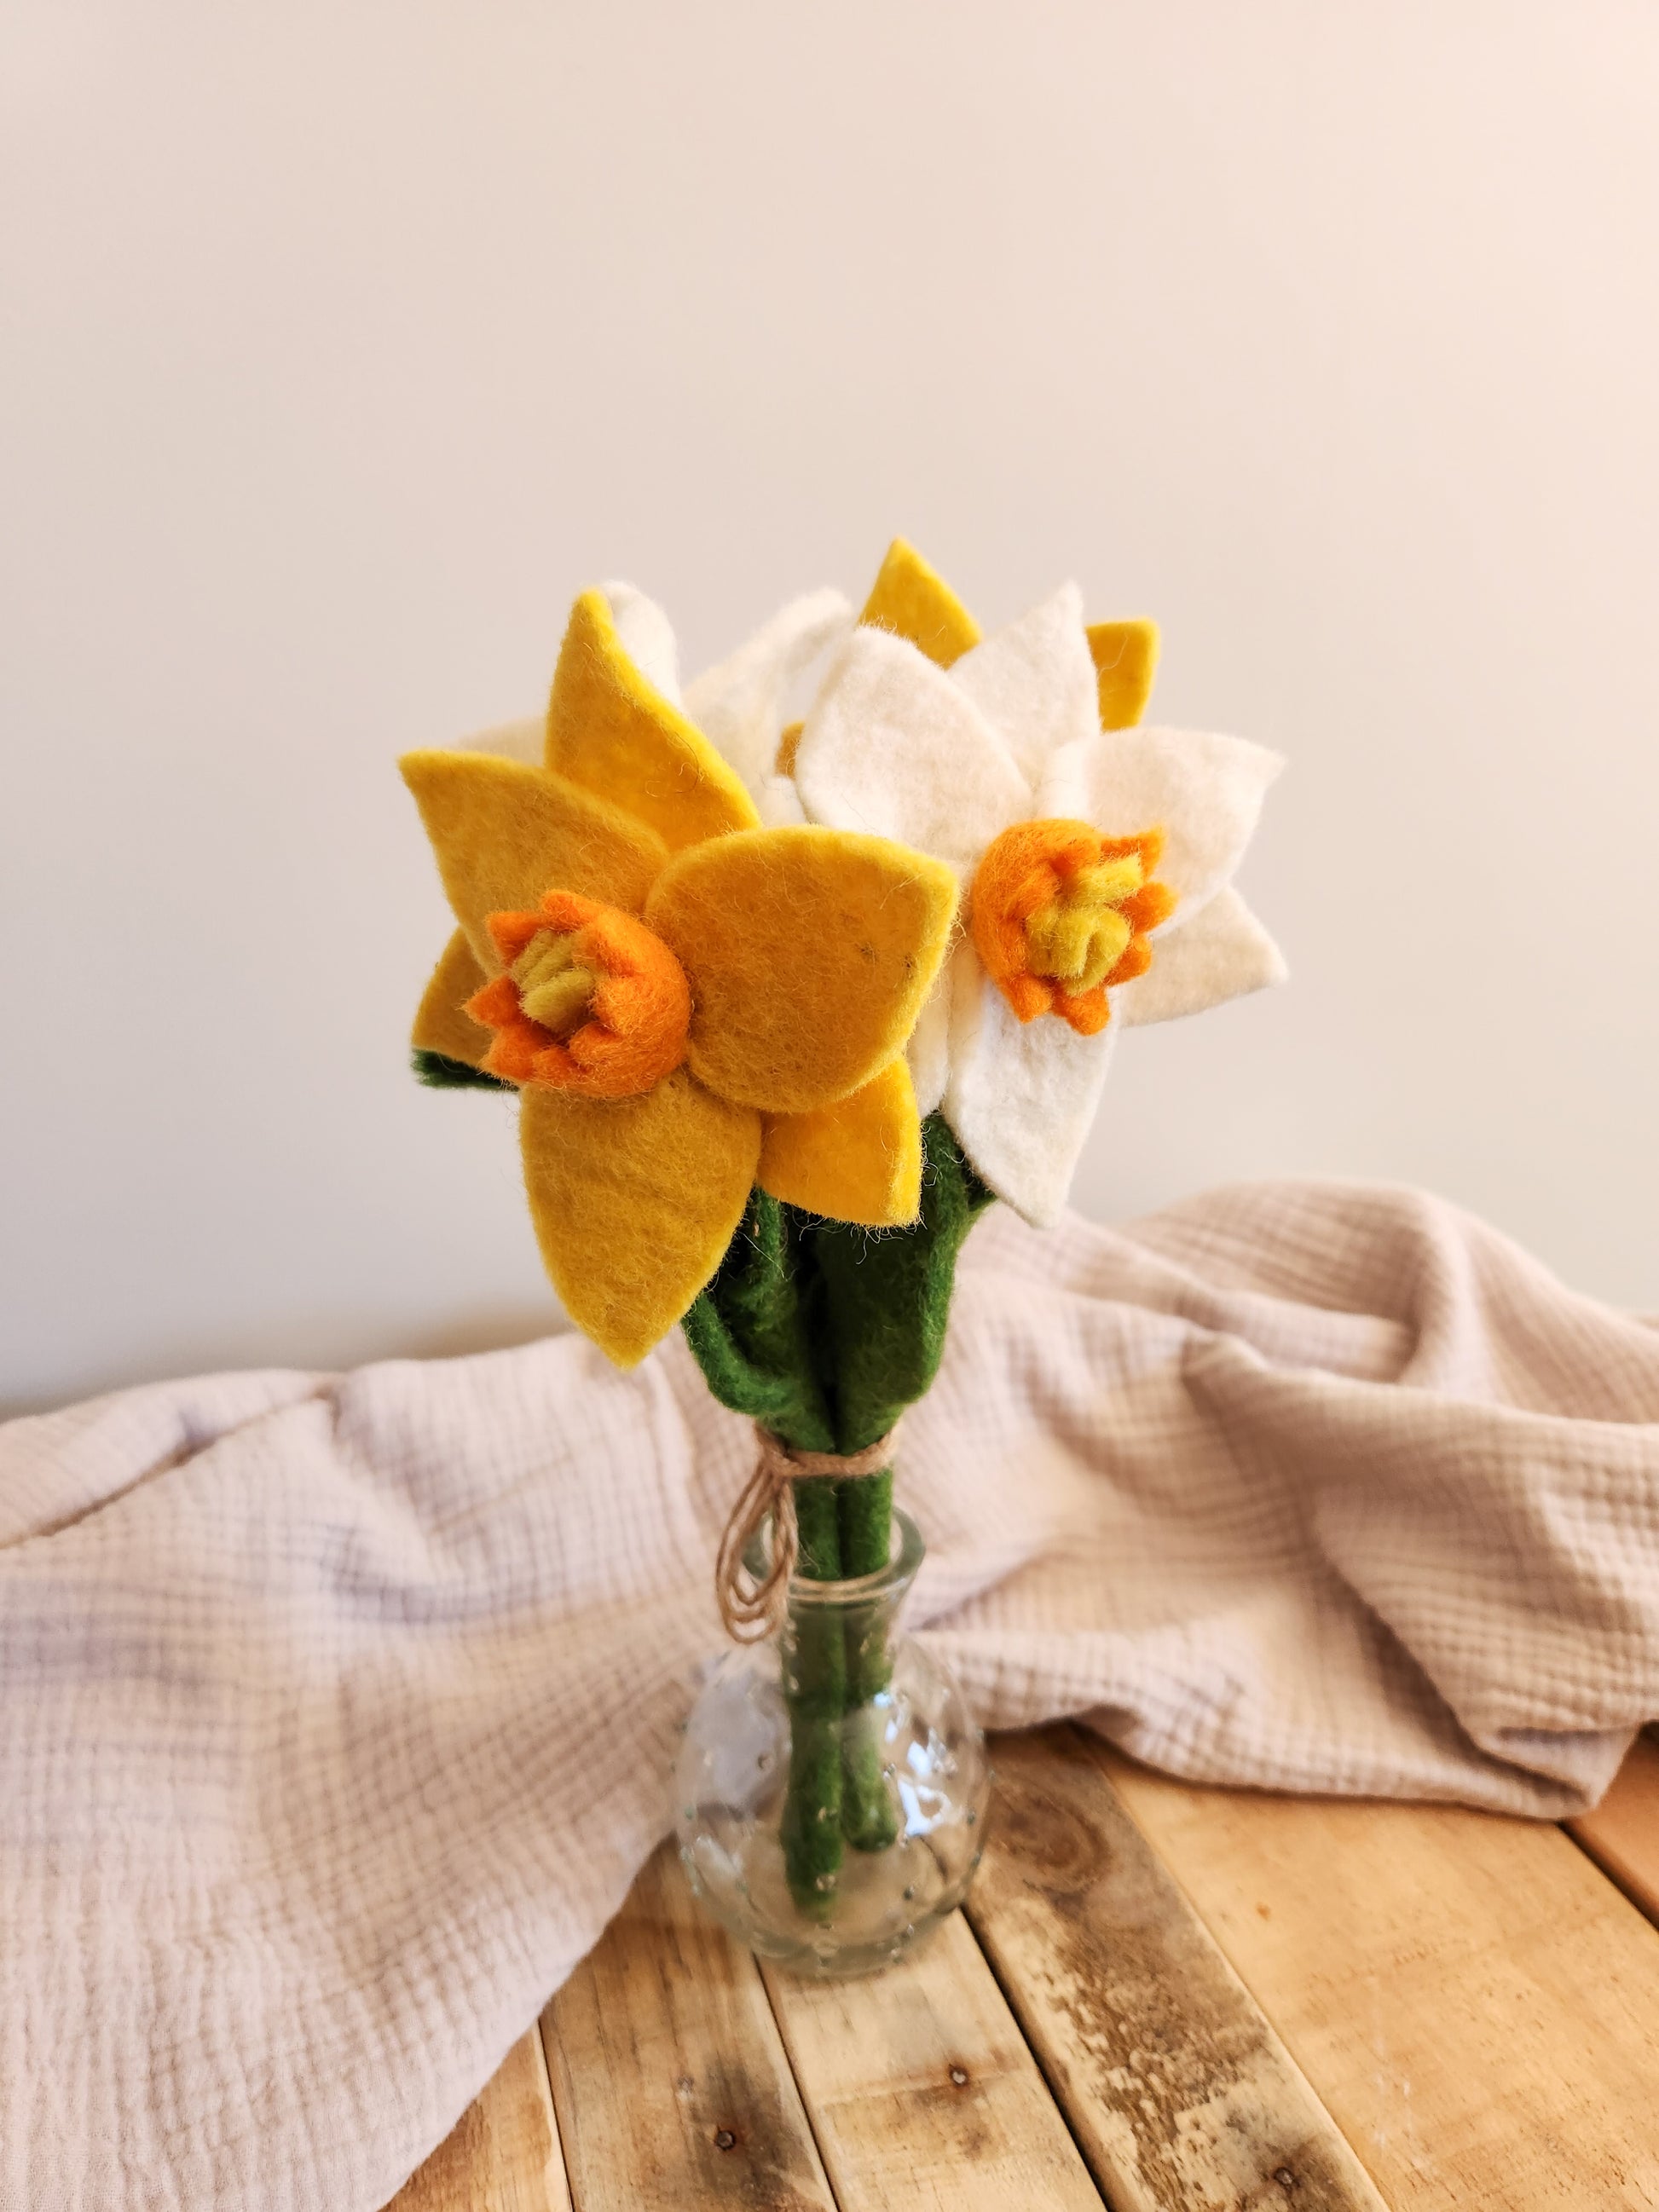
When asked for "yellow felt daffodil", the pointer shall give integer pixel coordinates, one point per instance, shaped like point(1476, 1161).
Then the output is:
point(687, 1001)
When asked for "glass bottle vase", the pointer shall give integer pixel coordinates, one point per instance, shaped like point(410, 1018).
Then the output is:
point(831, 1784)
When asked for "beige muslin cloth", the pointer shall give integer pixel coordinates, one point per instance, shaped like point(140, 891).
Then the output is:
point(336, 1713)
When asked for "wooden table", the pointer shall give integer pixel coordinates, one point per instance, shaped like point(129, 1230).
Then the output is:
point(1159, 1996)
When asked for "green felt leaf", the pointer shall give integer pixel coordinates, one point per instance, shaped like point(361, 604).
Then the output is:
point(752, 1330)
point(440, 1073)
point(886, 1294)
point(825, 1332)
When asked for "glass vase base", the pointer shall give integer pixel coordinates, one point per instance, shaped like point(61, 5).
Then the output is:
point(832, 1787)
point(887, 1903)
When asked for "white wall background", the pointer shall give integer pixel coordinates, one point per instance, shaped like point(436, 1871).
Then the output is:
point(343, 344)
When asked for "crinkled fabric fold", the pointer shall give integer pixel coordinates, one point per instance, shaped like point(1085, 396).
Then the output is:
point(336, 1713)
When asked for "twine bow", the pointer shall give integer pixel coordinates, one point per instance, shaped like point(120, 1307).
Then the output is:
point(752, 1609)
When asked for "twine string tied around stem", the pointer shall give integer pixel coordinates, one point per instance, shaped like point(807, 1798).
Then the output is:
point(751, 1609)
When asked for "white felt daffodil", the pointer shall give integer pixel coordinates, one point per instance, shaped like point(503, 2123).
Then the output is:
point(1095, 862)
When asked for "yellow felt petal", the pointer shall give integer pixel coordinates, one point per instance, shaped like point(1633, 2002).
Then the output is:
point(611, 731)
point(634, 1201)
point(505, 832)
point(441, 1022)
point(913, 601)
point(810, 953)
point(859, 1160)
point(1125, 655)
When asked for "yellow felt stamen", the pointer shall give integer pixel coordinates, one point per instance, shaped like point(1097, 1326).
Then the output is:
point(1079, 937)
point(788, 746)
point(1057, 941)
point(1077, 946)
point(551, 952)
point(1108, 940)
point(1108, 882)
point(562, 1003)
point(554, 989)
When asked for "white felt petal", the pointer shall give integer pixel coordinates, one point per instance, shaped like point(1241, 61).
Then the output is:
point(647, 638)
point(893, 747)
point(1035, 681)
point(1220, 953)
point(929, 1049)
point(739, 704)
point(521, 741)
point(779, 804)
point(1022, 1096)
point(1202, 790)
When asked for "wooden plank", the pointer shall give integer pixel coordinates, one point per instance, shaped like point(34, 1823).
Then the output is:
point(922, 2094)
point(1622, 1834)
point(669, 2077)
point(1176, 2088)
point(1474, 2002)
point(502, 2155)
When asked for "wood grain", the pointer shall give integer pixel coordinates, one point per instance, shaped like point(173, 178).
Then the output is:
point(502, 2155)
point(922, 2094)
point(1474, 2002)
point(1176, 2088)
point(1622, 1834)
point(669, 2077)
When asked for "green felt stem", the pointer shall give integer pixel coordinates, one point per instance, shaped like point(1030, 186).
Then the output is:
point(819, 1531)
point(824, 1332)
point(811, 1830)
point(815, 1689)
point(868, 1821)
point(886, 1305)
point(865, 1514)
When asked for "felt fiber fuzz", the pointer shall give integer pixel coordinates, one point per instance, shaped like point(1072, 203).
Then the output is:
point(859, 1160)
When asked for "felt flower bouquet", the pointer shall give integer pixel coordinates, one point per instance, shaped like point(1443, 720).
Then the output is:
point(788, 1002)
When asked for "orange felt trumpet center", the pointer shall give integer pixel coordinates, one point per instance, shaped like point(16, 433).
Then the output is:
point(589, 999)
point(1059, 914)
